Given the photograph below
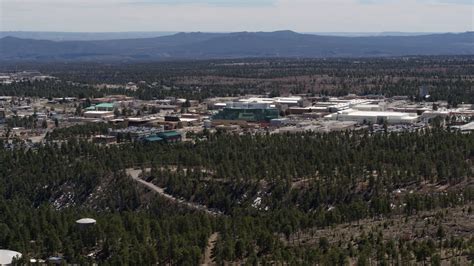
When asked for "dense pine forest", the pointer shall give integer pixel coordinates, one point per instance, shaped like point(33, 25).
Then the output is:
point(281, 198)
point(340, 198)
point(446, 78)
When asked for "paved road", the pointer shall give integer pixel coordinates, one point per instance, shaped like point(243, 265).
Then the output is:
point(135, 173)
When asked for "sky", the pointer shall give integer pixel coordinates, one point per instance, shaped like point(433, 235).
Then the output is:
point(237, 15)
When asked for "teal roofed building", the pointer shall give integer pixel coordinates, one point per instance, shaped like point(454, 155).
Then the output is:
point(167, 137)
point(153, 138)
point(101, 107)
point(170, 136)
point(105, 107)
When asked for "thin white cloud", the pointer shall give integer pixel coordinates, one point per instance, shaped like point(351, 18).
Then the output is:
point(298, 15)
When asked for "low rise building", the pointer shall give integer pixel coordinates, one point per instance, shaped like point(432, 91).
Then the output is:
point(152, 139)
point(2, 116)
point(170, 136)
point(105, 115)
point(101, 107)
point(469, 127)
point(430, 115)
point(136, 133)
point(248, 111)
point(278, 122)
point(374, 117)
point(104, 139)
point(371, 107)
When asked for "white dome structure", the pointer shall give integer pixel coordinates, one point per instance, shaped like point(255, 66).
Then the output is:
point(86, 221)
point(7, 256)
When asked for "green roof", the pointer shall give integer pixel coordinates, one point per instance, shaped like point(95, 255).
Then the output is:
point(169, 134)
point(91, 108)
point(153, 139)
point(105, 105)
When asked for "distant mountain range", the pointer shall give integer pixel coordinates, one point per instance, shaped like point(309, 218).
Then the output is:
point(83, 36)
point(97, 36)
point(199, 45)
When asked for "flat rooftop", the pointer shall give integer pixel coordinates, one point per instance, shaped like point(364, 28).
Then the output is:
point(352, 112)
point(98, 112)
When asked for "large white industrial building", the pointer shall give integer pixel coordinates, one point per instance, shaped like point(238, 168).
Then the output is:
point(374, 117)
point(99, 114)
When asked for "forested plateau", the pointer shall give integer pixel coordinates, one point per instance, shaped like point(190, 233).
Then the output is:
point(301, 199)
point(445, 78)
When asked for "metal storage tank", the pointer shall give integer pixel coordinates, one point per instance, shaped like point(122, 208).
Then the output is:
point(87, 229)
point(86, 222)
point(7, 256)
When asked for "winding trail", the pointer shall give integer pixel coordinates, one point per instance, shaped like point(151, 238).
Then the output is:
point(211, 243)
point(135, 175)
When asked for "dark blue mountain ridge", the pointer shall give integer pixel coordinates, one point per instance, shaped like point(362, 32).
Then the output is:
point(200, 45)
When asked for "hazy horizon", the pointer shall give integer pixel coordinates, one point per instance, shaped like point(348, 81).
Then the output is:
point(94, 36)
point(228, 31)
point(306, 16)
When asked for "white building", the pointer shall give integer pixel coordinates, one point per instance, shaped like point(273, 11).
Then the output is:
point(249, 105)
point(374, 117)
point(99, 114)
point(288, 101)
point(336, 105)
point(371, 107)
point(428, 115)
point(469, 127)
